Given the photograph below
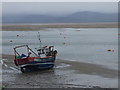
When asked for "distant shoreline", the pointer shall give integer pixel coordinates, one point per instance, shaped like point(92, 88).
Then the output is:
point(40, 26)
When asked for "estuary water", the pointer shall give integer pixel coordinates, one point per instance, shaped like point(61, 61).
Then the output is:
point(89, 45)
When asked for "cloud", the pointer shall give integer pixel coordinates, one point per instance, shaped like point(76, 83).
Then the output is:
point(58, 8)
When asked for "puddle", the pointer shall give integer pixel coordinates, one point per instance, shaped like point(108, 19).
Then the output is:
point(7, 71)
point(63, 65)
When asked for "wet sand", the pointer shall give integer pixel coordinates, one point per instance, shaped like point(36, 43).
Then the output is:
point(27, 27)
point(65, 74)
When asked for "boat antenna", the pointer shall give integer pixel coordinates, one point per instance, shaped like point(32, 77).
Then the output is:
point(40, 40)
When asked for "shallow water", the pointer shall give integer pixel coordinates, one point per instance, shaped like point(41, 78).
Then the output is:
point(85, 45)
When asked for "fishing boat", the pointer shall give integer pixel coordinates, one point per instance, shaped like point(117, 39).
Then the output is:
point(43, 58)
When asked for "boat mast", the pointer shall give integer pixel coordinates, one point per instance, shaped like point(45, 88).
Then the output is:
point(40, 40)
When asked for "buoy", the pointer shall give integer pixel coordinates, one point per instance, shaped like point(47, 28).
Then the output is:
point(11, 41)
point(113, 50)
point(17, 35)
point(109, 50)
point(63, 43)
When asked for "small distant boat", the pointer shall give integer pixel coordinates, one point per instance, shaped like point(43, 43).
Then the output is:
point(43, 59)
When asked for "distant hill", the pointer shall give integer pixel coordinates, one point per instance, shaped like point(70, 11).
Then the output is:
point(78, 17)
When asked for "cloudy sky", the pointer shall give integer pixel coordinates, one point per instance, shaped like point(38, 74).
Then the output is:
point(57, 8)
